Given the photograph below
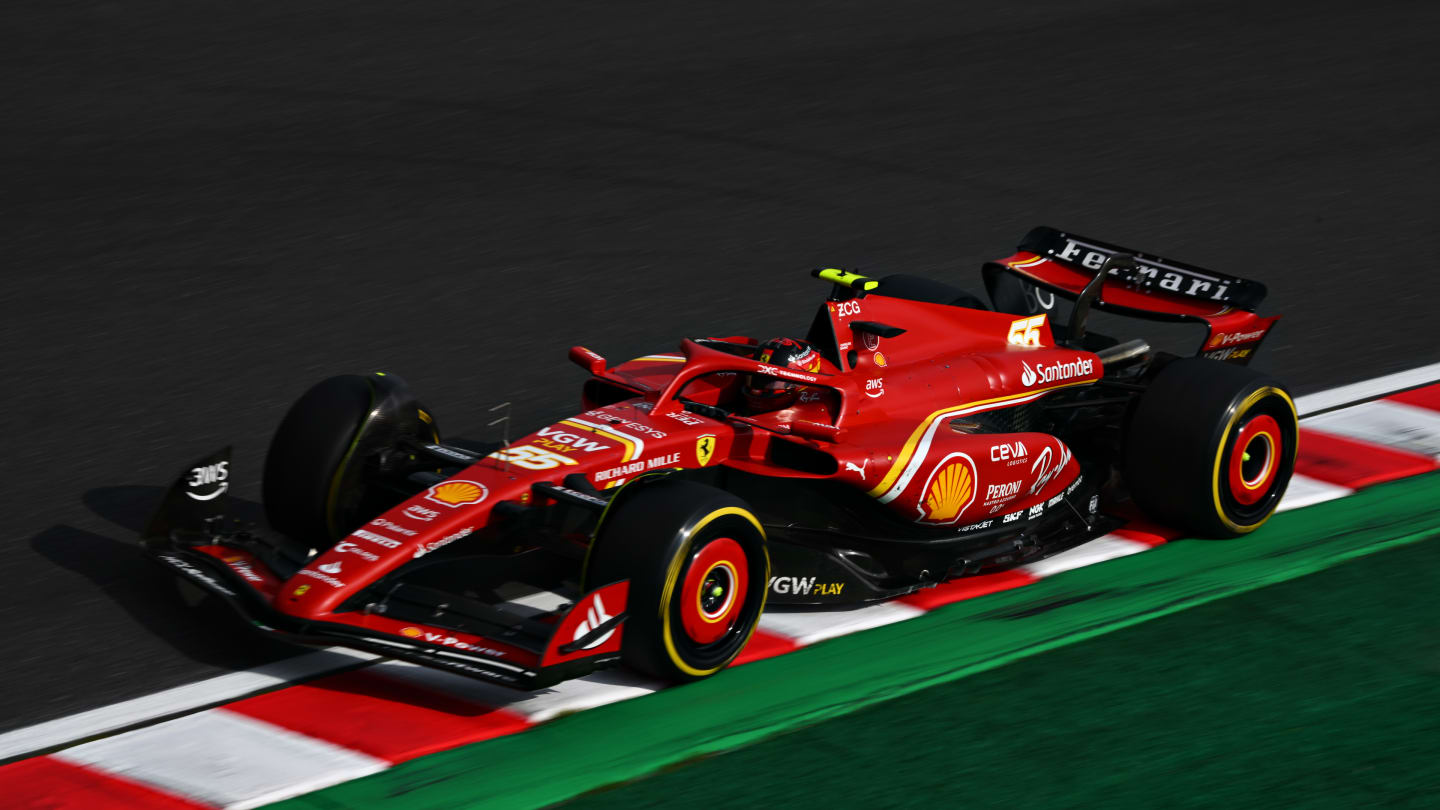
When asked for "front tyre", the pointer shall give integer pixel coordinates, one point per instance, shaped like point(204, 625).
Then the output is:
point(1210, 447)
point(698, 569)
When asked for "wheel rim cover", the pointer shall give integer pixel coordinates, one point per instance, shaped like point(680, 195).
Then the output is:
point(714, 590)
point(1251, 478)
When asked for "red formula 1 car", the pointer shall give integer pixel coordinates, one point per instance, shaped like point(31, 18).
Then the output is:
point(912, 436)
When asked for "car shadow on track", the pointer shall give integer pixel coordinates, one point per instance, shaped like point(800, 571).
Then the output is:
point(208, 632)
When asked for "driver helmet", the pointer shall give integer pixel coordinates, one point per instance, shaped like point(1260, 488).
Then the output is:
point(771, 393)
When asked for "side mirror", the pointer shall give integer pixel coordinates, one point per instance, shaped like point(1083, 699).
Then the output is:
point(588, 360)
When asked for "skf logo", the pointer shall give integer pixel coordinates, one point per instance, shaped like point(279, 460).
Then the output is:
point(950, 490)
point(704, 449)
point(1026, 331)
point(457, 493)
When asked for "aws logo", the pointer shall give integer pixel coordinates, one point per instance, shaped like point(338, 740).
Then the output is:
point(950, 490)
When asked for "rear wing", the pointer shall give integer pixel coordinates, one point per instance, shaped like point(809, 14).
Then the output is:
point(1141, 285)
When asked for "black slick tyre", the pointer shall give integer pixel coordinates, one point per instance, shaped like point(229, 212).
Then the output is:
point(1210, 447)
point(699, 573)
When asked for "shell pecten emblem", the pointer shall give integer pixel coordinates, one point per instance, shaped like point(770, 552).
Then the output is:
point(950, 490)
point(457, 492)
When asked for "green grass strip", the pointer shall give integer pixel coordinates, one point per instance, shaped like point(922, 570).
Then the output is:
point(624, 741)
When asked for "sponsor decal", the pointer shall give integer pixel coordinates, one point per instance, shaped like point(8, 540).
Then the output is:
point(420, 513)
point(531, 457)
point(785, 372)
point(685, 417)
point(300, 591)
point(950, 490)
point(860, 469)
point(325, 578)
point(331, 568)
point(196, 574)
point(1043, 471)
point(448, 641)
point(208, 475)
point(561, 440)
point(637, 427)
point(1012, 453)
point(457, 492)
point(845, 346)
point(704, 449)
point(595, 615)
point(1229, 354)
point(1147, 273)
point(849, 309)
point(805, 586)
point(1036, 511)
point(872, 342)
point(241, 566)
point(667, 460)
point(875, 387)
point(377, 539)
point(1094, 504)
point(1025, 331)
point(1009, 490)
point(1232, 338)
point(984, 524)
point(1063, 370)
point(396, 527)
point(358, 551)
point(880, 359)
point(426, 548)
point(442, 450)
point(1012, 517)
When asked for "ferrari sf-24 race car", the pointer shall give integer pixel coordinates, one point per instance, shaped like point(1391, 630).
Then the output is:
point(914, 435)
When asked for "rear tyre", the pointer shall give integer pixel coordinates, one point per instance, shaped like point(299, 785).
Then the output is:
point(698, 569)
point(314, 488)
point(1210, 447)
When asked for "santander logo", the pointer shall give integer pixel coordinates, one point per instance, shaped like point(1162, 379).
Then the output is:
point(1041, 373)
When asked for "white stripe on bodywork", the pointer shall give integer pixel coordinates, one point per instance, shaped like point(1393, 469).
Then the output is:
point(1393, 424)
point(923, 448)
point(226, 759)
point(639, 444)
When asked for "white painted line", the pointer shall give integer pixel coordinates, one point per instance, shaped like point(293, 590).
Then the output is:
point(596, 689)
point(1098, 550)
point(1368, 389)
point(808, 627)
point(1394, 424)
point(224, 758)
point(191, 696)
point(1307, 491)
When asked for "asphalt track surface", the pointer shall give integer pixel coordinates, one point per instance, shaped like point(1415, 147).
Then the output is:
point(205, 209)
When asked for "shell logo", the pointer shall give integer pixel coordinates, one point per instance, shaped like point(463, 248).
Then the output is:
point(457, 493)
point(950, 490)
point(411, 632)
point(880, 359)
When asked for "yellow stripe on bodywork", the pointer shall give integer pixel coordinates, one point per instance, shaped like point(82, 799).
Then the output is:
point(903, 460)
point(630, 445)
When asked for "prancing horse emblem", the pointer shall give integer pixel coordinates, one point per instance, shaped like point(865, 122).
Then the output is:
point(704, 449)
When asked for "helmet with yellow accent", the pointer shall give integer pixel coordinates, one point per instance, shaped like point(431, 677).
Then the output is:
point(762, 393)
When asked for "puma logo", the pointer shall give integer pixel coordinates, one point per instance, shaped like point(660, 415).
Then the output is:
point(860, 469)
